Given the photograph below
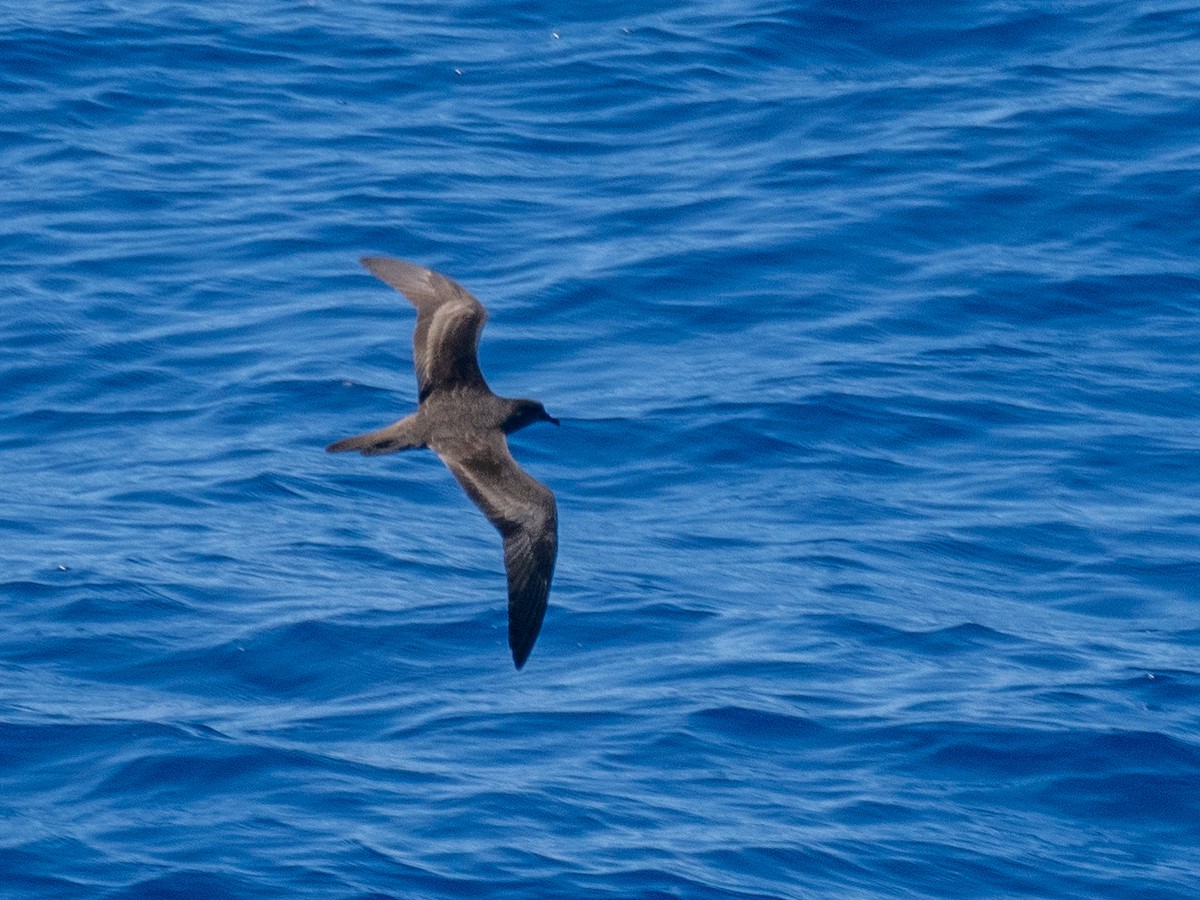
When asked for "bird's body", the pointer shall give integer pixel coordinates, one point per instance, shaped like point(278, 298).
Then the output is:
point(460, 419)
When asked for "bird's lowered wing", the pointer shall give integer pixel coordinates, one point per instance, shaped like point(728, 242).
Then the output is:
point(524, 511)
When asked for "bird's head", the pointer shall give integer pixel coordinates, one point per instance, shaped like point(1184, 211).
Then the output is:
point(526, 412)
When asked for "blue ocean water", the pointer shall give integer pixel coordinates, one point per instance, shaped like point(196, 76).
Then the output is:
point(874, 334)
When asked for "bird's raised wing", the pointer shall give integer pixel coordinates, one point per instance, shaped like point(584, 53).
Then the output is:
point(524, 511)
point(449, 322)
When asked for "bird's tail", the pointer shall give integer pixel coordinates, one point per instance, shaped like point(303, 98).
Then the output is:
point(398, 436)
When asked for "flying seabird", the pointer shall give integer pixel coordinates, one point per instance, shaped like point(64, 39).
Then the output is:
point(464, 423)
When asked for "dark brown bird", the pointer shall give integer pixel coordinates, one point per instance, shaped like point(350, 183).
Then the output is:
point(464, 423)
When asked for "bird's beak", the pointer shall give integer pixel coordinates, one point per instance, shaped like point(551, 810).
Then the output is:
point(553, 420)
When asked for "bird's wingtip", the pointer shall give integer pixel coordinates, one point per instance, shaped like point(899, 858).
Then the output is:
point(520, 653)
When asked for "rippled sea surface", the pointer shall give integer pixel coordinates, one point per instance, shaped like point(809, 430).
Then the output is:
point(875, 335)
